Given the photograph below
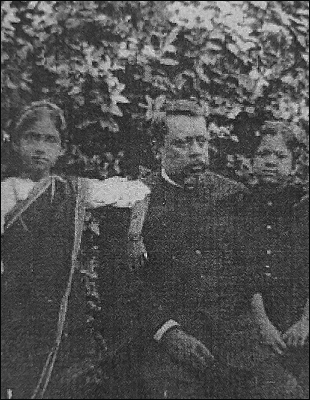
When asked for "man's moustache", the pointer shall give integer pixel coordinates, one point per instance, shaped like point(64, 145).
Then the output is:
point(195, 168)
point(192, 175)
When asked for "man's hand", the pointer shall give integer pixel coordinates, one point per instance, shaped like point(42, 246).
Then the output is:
point(272, 337)
point(297, 334)
point(186, 349)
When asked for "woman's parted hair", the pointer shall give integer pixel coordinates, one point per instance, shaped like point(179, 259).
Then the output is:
point(251, 130)
point(10, 164)
point(36, 111)
point(289, 131)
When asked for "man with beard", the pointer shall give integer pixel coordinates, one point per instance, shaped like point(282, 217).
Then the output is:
point(191, 265)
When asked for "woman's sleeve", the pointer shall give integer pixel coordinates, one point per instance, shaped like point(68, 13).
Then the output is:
point(117, 192)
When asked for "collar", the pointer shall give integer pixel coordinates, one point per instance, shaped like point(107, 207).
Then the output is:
point(169, 180)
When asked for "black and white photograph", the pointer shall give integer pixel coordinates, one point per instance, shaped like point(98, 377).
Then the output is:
point(154, 200)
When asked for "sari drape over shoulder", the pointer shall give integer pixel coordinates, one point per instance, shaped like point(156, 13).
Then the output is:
point(40, 245)
point(44, 335)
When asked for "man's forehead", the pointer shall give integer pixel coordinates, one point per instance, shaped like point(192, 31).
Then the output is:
point(186, 125)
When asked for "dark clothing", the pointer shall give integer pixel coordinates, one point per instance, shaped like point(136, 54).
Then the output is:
point(188, 236)
point(129, 310)
point(37, 251)
point(273, 243)
point(166, 379)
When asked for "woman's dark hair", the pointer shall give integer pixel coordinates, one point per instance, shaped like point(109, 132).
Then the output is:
point(289, 132)
point(251, 130)
point(36, 111)
point(10, 164)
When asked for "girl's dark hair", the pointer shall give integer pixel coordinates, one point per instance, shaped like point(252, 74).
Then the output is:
point(287, 130)
point(36, 111)
point(251, 130)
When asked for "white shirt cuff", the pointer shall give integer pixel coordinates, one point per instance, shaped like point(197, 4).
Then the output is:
point(160, 333)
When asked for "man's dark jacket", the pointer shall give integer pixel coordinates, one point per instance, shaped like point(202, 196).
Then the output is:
point(189, 239)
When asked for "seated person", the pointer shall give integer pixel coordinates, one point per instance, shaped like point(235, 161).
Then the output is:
point(191, 264)
point(274, 246)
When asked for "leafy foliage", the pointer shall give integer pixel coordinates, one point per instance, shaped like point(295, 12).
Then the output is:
point(111, 65)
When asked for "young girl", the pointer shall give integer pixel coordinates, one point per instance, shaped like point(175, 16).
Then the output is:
point(275, 248)
point(44, 342)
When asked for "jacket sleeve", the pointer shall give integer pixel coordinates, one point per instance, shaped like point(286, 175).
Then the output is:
point(129, 310)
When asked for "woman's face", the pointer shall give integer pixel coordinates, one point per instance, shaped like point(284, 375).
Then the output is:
point(273, 161)
point(39, 147)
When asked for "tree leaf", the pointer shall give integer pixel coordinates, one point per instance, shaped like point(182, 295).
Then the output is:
point(115, 110)
point(118, 98)
point(168, 61)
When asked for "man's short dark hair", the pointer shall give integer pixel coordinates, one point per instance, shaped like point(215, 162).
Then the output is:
point(159, 129)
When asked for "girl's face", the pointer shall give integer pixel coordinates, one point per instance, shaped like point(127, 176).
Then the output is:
point(273, 160)
point(39, 147)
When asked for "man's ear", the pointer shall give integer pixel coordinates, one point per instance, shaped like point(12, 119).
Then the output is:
point(294, 169)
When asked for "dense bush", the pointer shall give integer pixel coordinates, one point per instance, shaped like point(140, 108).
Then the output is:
point(111, 65)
